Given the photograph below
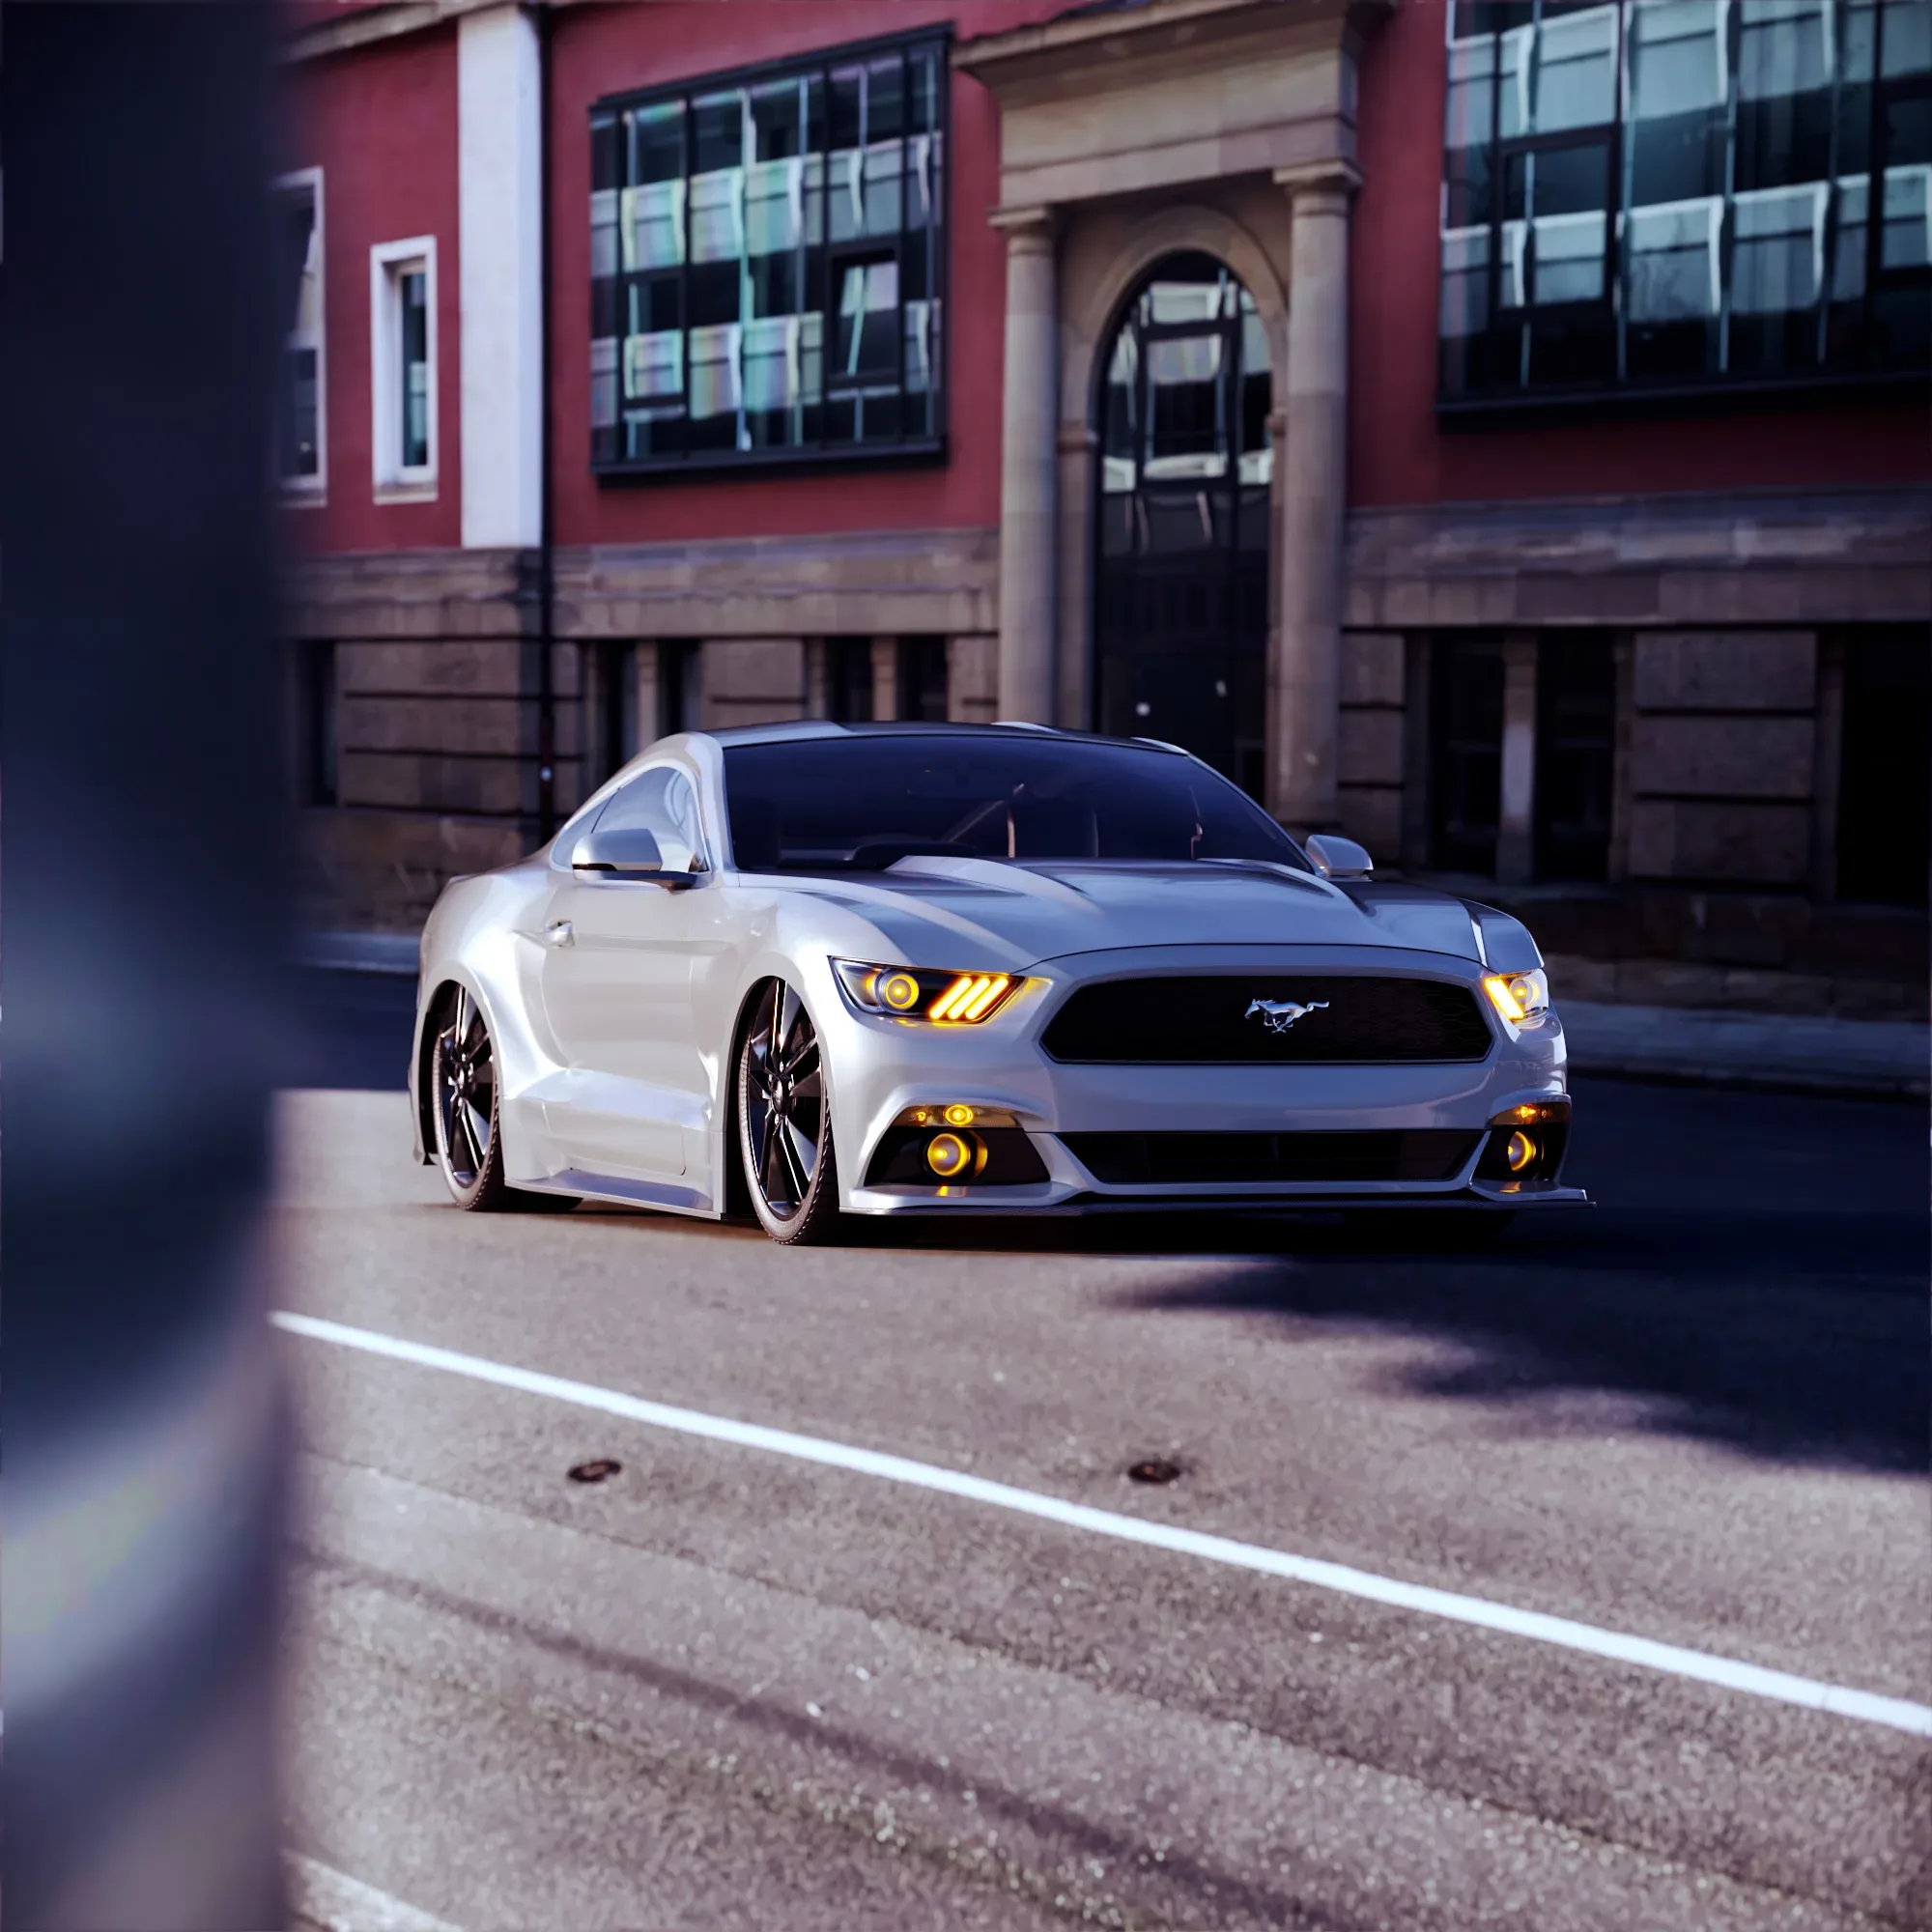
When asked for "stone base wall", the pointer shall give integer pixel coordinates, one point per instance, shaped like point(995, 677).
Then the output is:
point(437, 689)
point(1730, 624)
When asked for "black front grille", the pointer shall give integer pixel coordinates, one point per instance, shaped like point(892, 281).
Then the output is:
point(1226, 1020)
point(1127, 1160)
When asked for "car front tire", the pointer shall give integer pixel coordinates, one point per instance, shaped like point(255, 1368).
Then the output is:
point(785, 1120)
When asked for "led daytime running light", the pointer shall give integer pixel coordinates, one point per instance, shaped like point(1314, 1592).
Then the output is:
point(969, 997)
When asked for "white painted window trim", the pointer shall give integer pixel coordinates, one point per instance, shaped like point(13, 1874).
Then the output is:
point(312, 492)
point(396, 482)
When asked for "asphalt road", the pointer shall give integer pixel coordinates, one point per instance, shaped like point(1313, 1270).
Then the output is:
point(726, 1687)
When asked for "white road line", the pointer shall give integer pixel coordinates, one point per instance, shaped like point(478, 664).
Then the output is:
point(1896, 1713)
point(327, 1897)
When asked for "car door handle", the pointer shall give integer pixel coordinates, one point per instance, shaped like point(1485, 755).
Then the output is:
point(560, 932)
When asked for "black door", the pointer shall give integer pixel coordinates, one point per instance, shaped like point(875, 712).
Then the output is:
point(1181, 600)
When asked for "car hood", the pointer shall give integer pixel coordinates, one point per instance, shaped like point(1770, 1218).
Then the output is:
point(1022, 913)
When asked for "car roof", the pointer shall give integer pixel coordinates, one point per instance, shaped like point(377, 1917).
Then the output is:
point(819, 728)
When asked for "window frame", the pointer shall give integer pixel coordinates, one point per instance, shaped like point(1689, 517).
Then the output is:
point(395, 481)
point(927, 448)
point(1614, 388)
point(310, 492)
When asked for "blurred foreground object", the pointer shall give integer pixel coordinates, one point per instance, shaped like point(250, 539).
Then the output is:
point(143, 865)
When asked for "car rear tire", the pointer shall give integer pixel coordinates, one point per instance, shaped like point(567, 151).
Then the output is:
point(465, 1108)
point(785, 1120)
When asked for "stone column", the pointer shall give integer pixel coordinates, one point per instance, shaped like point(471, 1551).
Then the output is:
point(1028, 465)
point(1073, 641)
point(499, 276)
point(885, 678)
point(1304, 676)
point(1516, 805)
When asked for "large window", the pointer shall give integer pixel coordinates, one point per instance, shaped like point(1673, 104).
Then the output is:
point(402, 387)
point(1663, 192)
point(767, 257)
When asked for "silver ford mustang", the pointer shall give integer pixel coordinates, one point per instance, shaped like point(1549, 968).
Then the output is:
point(813, 970)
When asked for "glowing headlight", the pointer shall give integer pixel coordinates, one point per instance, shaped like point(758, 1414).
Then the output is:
point(957, 999)
point(1521, 997)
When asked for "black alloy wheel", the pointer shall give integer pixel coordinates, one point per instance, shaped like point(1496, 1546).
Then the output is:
point(784, 1120)
point(469, 1133)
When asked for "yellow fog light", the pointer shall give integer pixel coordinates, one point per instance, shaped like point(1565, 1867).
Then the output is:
point(948, 1155)
point(900, 991)
point(1520, 1152)
point(958, 1116)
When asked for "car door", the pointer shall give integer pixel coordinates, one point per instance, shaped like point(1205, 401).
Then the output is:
point(615, 982)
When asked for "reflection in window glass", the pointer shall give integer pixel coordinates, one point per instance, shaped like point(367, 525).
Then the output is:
point(1681, 191)
point(662, 802)
point(1186, 459)
point(765, 263)
point(299, 257)
point(411, 287)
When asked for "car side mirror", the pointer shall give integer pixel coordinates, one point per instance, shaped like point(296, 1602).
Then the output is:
point(1338, 858)
point(625, 852)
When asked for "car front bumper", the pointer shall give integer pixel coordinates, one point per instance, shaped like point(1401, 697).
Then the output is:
point(884, 1068)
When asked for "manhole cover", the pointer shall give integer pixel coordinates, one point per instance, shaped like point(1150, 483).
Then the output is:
point(1155, 1470)
point(595, 1471)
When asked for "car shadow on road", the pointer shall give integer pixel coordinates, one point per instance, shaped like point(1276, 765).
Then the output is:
point(1793, 1337)
point(1775, 1362)
point(1756, 1277)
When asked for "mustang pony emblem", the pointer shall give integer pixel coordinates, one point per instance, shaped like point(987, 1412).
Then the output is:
point(1278, 1016)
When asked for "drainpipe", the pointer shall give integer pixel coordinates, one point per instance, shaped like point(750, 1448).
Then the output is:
point(546, 511)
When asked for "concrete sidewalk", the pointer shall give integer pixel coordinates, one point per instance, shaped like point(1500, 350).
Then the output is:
point(1779, 1052)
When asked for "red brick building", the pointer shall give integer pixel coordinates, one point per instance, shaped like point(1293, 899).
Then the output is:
point(1500, 430)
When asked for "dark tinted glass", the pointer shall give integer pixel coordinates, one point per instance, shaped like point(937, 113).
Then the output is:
point(1468, 752)
point(765, 263)
point(1884, 803)
point(1764, 155)
point(1575, 729)
point(863, 803)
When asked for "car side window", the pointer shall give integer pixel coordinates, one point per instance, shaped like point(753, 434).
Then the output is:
point(662, 802)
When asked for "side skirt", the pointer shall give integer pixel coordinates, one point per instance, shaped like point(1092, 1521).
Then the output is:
point(624, 1193)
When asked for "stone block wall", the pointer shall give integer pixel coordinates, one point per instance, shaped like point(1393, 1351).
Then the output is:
point(1372, 749)
point(752, 681)
point(972, 680)
point(437, 690)
point(435, 717)
point(1722, 756)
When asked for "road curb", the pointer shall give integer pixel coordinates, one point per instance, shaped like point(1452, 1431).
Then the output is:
point(1766, 1052)
point(391, 953)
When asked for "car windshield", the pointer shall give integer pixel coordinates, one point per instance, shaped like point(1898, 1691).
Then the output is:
point(863, 803)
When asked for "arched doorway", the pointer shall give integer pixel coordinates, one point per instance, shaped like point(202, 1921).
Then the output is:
point(1181, 570)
